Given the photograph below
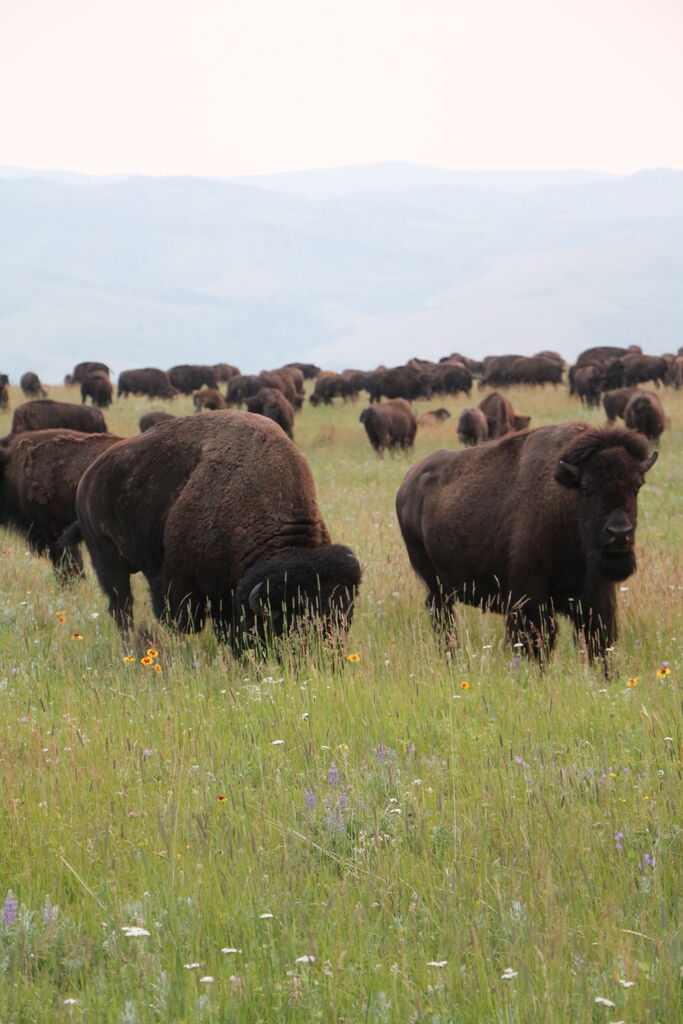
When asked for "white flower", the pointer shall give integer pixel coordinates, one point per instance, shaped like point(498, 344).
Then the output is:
point(307, 958)
point(133, 932)
point(394, 810)
point(437, 963)
point(70, 1002)
point(191, 967)
point(626, 984)
point(207, 977)
point(230, 949)
point(604, 1002)
point(508, 974)
point(264, 917)
point(276, 743)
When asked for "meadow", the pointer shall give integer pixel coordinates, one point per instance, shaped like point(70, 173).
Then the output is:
point(390, 835)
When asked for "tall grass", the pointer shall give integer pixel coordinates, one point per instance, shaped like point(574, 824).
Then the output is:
point(441, 838)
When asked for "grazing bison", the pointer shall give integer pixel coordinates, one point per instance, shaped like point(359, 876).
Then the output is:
point(98, 388)
point(614, 403)
point(39, 474)
point(640, 369)
point(450, 378)
point(4, 391)
point(241, 387)
point(225, 372)
point(432, 418)
point(645, 414)
point(30, 384)
point(81, 370)
point(499, 413)
point(44, 414)
point(676, 373)
point(271, 402)
point(149, 381)
point(537, 524)
point(150, 419)
point(600, 354)
point(191, 378)
point(329, 386)
point(221, 516)
point(208, 398)
point(495, 370)
point(309, 370)
point(473, 427)
point(390, 425)
point(586, 382)
point(535, 370)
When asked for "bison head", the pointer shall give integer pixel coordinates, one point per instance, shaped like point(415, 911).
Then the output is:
point(607, 468)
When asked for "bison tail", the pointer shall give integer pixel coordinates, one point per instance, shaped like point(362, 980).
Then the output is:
point(72, 534)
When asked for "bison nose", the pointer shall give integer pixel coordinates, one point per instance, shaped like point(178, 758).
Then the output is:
point(618, 531)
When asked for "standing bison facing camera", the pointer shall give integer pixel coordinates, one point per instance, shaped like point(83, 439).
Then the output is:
point(532, 526)
point(220, 514)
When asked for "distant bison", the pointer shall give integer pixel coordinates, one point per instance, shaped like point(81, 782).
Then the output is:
point(271, 403)
point(645, 414)
point(208, 398)
point(309, 370)
point(676, 372)
point(188, 378)
point(4, 391)
point(150, 419)
point(587, 381)
point(98, 388)
point(500, 414)
point(390, 425)
point(82, 369)
point(432, 418)
point(220, 514)
point(537, 524)
point(473, 427)
point(640, 368)
point(329, 386)
point(614, 402)
point(30, 384)
point(535, 370)
point(44, 414)
point(148, 381)
point(39, 474)
point(225, 372)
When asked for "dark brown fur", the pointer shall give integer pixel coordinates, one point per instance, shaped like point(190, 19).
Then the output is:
point(432, 418)
point(44, 414)
point(188, 378)
point(645, 414)
point(534, 525)
point(220, 514)
point(208, 398)
point(39, 474)
point(151, 419)
point(499, 413)
point(614, 403)
point(390, 425)
point(98, 387)
point(148, 381)
point(473, 427)
point(271, 402)
point(31, 386)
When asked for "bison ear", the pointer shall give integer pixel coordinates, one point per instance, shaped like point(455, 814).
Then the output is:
point(649, 463)
point(568, 474)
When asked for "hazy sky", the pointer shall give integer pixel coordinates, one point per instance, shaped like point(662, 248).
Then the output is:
point(257, 86)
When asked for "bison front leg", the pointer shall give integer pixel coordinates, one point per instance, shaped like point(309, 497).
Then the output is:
point(595, 622)
point(531, 627)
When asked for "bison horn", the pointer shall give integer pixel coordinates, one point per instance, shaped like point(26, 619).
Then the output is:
point(570, 468)
point(649, 463)
point(253, 599)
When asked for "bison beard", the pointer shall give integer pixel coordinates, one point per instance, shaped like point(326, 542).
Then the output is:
point(534, 525)
point(220, 515)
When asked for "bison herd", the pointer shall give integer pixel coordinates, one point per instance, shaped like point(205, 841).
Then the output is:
point(219, 511)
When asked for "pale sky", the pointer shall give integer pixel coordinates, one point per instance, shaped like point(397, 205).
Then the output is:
point(232, 88)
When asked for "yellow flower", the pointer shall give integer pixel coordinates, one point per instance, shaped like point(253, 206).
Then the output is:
point(76, 636)
point(152, 653)
point(662, 673)
point(632, 681)
point(464, 685)
point(353, 657)
point(157, 668)
point(61, 616)
point(129, 658)
point(146, 661)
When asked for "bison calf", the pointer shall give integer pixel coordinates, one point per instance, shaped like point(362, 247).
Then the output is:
point(220, 514)
point(537, 524)
point(390, 425)
point(473, 427)
point(645, 414)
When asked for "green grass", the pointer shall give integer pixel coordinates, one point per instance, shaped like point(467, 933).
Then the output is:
point(405, 818)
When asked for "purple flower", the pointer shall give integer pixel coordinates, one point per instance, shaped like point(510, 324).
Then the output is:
point(147, 751)
point(665, 664)
point(333, 775)
point(14, 671)
point(196, 664)
point(514, 663)
point(309, 799)
point(10, 908)
point(334, 815)
point(24, 719)
point(650, 861)
point(49, 911)
point(618, 836)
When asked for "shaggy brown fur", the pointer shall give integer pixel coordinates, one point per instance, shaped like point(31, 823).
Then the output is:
point(148, 381)
point(645, 414)
point(499, 413)
point(44, 414)
point(587, 384)
point(390, 425)
point(640, 368)
point(271, 402)
point(535, 370)
point(220, 514)
point(39, 474)
point(30, 384)
point(473, 427)
point(98, 388)
point(208, 398)
point(614, 403)
point(534, 525)
point(150, 419)
point(189, 378)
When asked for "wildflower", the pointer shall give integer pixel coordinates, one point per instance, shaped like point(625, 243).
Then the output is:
point(151, 652)
point(196, 664)
point(207, 978)
point(632, 681)
point(76, 636)
point(157, 669)
point(265, 917)
point(230, 949)
point(650, 861)
point(134, 932)
point(437, 963)
point(61, 616)
point(129, 658)
point(309, 799)
point(333, 775)
point(355, 657)
point(276, 743)
point(464, 685)
point(221, 798)
point(618, 836)
point(50, 911)
point(508, 974)
point(662, 673)
point(146, 660)
point(147, 751)
point(191, 967)
point(307, 958)
point(70, 1002)
point(604, 1002)
point(10, 909)
point(626, 984)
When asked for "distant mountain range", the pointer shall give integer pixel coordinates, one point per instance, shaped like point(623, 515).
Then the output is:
point(347, 267)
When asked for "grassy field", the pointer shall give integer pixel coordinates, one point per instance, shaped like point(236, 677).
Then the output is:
point(401, 836)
